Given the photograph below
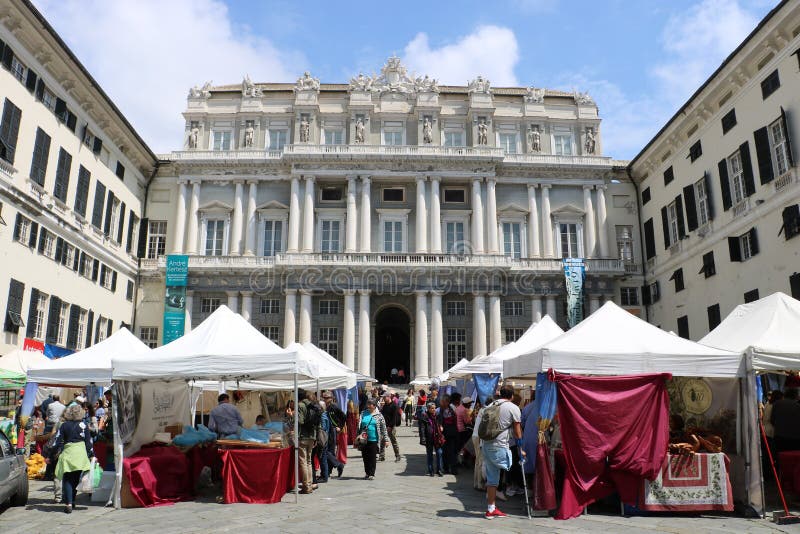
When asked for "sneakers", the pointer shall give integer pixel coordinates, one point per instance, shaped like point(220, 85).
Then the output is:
point(397, 459)
point(496, 513)
point(339, 471)
point(370, 477)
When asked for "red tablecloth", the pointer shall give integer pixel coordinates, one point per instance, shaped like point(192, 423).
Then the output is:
point(789, 462)
point(688, 484)
point(259, 476)
point(173, 482)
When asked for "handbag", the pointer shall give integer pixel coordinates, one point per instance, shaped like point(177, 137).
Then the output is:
point(439, 440)
point(86, 484)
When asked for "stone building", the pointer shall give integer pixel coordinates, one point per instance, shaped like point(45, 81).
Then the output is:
point(72, 179)
point(718, 185)
point(392, 221)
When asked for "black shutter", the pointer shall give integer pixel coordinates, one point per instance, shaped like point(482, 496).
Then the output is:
point(110, 327)
point(763, 155)
point(141, 247)
point(113, 281)
point(121, 222)
point(747, 169)
point(788, 135)
point(103, 271)
point(42, 236)
point(82, 193)
point(72, 329)
point(97, 329)
point(61, 110)
point(51, 336)
point(683, 327)
point(95, 269)
point(18, 223)
point(98, 145)
point(754, 249)
point(649, 239)
point(8, 56)
point(734, 249)
point(41, 152)
point(33, 235)
point(691, 207)
point(97, 210)
point(9, 130)
point(646, 295)
point(665, 226)
point(709, 195)
point(64, 256)
point(59, 249)
point(679, 214)
point(62, 175)
point(713, 317)
point(89, 328)
point(109, 207)
point(31, 330)
point(30, 81)
point(791, 221)
point(794, 285)
point(724, 184)
point(669, 175)
point(16, 290)
point(751, 296)
point(120, 171)
point(40, 90)
point(72, 120)
point(129, 240)
point(645, 195)
point(76, 262)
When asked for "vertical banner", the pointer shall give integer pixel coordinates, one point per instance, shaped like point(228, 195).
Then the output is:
point(175, 297)
point(574, 273)
point(485, 385)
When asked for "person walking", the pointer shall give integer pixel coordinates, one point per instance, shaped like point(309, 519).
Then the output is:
point(408, 406)
point(75, 443)
point(309, 419)
point(447, 420)
point(373, 424)
point(336, 421)
point(391, 414)
point(504, 415)
point(430, 435)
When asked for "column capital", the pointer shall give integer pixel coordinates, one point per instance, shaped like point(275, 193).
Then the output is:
point(290, 291)
point(309, 179)
point(232, 293)
point(601, 187)
point(246, 294)
point(494, 294)
point(294, 178)
point(190, 292)
point(435, 179)
point(536, 296)
point(546, 186)
point(351, 179)
point(477, 180)
point(238, 181)
point(366, 179)
point(588, 187)
point(195, 181)
point(349, 292)
point(421, 177)
point(491, 180)
point(182, 181)
point(305, 292)
point(478, 293)
point(363, 292)
point(252, 181)
point(532, 187)
point(437, 293)
point(421, 292)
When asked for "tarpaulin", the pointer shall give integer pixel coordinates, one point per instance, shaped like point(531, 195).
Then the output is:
point(158, 476)
point(260, 476)
point(615, 432)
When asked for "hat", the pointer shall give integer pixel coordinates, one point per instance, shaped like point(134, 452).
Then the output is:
point(466, 400)
point(80, 398)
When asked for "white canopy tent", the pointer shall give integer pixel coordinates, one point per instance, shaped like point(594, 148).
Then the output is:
point(91, 365)
point(537, 335)
point(19, 361)
point(445, 377)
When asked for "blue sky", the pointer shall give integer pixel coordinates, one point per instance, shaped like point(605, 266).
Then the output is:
point(639, 59)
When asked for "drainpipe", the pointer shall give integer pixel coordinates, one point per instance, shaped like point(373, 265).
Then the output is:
point(139, 260)
point(641, 239)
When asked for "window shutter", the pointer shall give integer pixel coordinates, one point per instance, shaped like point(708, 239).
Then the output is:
point(18, 223)
point(95, 269)
point(679, 213)
point(691, 207)
point(646, 295)
point(110, 327)
point(41, 151)
point(72, 120)
point(61, 110)
point(72, 329)
point(129, 240)
point(788, 135)
point(113, 281)
point(734, 249)
point(89, 328)
point(9, 130)
point(33, 235)
point(16, 290)
point(724, 184)
point(8, 56)
point(97, 210)
point(103, 274)
point(794, 285)
point(76, 262)
point(747, 169)
point(121, 222)
point(709, 195)
point(30, 81)
point(754, 249)
point(763, 155)
point(665, 226)
point(713, 316)
point(32, 313)
point(669, 175)
point(59, 249)
point(649, 239)
point(42, 237)
point(109, 206)
point(40, 90)
point(98, 145)
point(683, 327)
point(791, 221)
point(141, 247)
point(655, 291)
point(62, 175)
point(51, 336)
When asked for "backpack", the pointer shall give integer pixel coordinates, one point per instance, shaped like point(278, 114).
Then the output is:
point(490, 427)
point(337, 417)
point(313, 418)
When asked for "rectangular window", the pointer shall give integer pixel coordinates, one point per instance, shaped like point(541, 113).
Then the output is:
point(736, 177)
point(508, 142)
point(669, 175)
point(110, 279)
point(82, 192)
point(331, 194)
point(222, 140)
point(628, 296)
point(645, 195)
point(68, 256)
point(714, 317)
point(115, 216)
point(272, 333)
point(209, 304)
point(41, 152)
point(120, 171)
point(794, 285)
point(780, 149)
point(456, 345)
point(790, 227)
point(215, 233)
point(13, 319)
point(393, 137)
point(728, 121)
point(569, 240)
point(743, 247)
point(455, 195)
point(677, 277)
point(625, 243)
point(708, 269)
point(392, 236)
point(18, 69)
point(334, 137)
point(62, 175)
point(513, 308)
point(329, 307)
point(80, 340)
point(129, 291)
point(770, 84)
point(63, 317)
point(683, 327)
point(453, 138)
point(454, 237)
point(48, 245)
point(270, 306)
point(101, 331)
point(278, 139)
point(695, 151)
point(513, 334)
point(394, 194)
point(273, 238)
point(562, 144)
point(156, 239)
point(672, 221)
point(49, 99)
point(149, 336)
point(40, 316)
point(751, 296)
point(456, 308)
point(99, 203)
point(701, 199)
point(330, 237)
point(329, 340)
point(86, 266)
point(9, 131)
point(512, 241)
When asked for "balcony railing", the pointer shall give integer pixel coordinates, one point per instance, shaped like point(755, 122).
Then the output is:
point(783, 181)
point(741, 208)
point(222, 155)
point(395, 150)
point(392, 259)
point(553, 159)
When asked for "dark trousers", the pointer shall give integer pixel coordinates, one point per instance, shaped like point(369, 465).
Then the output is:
point(451, 449)
point(69, 486)
point(327, 458)
point(463, 437)
point(430, 450)
point(369, 453)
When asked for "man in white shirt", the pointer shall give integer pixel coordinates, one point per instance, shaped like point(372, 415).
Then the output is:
point(497, 452)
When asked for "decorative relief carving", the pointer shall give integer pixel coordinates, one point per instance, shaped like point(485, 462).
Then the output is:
point(590, 143)
point(480, 85)
point(483, 132)
point(305, 128)
point(194, 134)
point(201, 92)
point(361, 83)
point(249, 89)
point(427, 131)
point(360, 130)
point(307, 83)
point(535, 95)
point(534, 138)
point(583, 99)
point(249, 133)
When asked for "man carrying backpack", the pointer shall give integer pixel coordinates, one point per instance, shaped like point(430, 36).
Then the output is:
point(309, 419)
point(498, 421)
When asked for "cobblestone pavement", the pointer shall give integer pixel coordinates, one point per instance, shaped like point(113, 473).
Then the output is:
point(400, 499)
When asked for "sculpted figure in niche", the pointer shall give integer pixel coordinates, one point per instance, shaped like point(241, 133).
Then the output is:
point(249, 132)
point(194, 133)
point(534, 139)
point(590, 143)
point(483, 133)
point(427, 132)
point(305, 128)
point(359, 131)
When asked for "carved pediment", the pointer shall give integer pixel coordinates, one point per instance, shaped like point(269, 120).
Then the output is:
point(568, 210)
point(272, 205)
point(511, 208)
point(215, 205)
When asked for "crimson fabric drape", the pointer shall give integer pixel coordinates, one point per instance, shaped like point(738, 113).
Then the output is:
point(615, 432)
point(158, 476)
point(256, 476)
point(544, 491)
point(341, 447)
point(352, 427)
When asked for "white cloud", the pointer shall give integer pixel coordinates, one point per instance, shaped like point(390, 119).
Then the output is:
point(146, 55)
point(490, 51)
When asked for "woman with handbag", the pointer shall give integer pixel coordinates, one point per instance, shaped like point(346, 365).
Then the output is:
point(371, 434)
point(430, 435)
point(447, 421)
point(75, 443)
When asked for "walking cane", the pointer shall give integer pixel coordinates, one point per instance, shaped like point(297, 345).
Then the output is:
point(524, 485)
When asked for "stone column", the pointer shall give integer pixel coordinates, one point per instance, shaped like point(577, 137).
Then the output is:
point(351, 244)
point(308, 216)
point(588, 223)
point(477, 217)
point(349, 334)
point(421, 334)
point(594, 303)
point(366, 215)
point(236, 223)
point(293, 236)
point(437, 335)
point(478, 325)
point(250, 240)
point(551, 306)
point(422, 217)
point(364, 346)
point(194, 208)
point(233, 300)
point(547, 223)
point(536, 308)
point(180, 219)
point(491, 216)
point(436, 218)
point(304, 334)
point(289, 317)
point(495, 331)
point(247, 305)
point(533, 223)
point(188, 306)
point(602, 220)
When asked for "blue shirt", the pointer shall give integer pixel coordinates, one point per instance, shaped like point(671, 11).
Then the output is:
point(225, 419)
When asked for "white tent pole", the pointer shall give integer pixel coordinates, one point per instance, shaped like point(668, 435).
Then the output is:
point(296, 444)
point(119, 455)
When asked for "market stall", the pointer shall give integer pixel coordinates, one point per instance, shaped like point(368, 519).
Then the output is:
point(152, 391)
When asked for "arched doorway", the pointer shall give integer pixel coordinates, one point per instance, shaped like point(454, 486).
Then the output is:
point(392, 343)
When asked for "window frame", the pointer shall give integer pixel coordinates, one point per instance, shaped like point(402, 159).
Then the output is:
point(149, 336)
point(456, 308)
point(455, 345)
point(513, 308)
point(701, 203)
point(557, 137)
point(624, 242)
point(80, 341)
point(329, 342)
point(328, 307)
point(329, 219)
point(778, 149)
point(269, 306)
point(227, 135)
point(280, 132)
point(278, 242)
point(156, 241)
point(42, 305)
point(578, 237)
point(267, 331)
point(509, 248)
point(736, 178)
point(393, 128)
point(209, 304)
point(515, 334)
point(393, 188)
point(625, 293)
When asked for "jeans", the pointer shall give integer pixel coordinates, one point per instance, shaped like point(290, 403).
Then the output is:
point(369, 453)
point(306, 455)
point(430, 450)
point(70, 486)
point(393, 439)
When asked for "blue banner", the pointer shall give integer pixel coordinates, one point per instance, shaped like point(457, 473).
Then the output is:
point(177, 276)
point(574, 274)
point(540, 415)
point(485, 385)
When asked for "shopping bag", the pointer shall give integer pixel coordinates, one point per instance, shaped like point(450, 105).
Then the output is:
point(86, 485)
point(97, 474)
